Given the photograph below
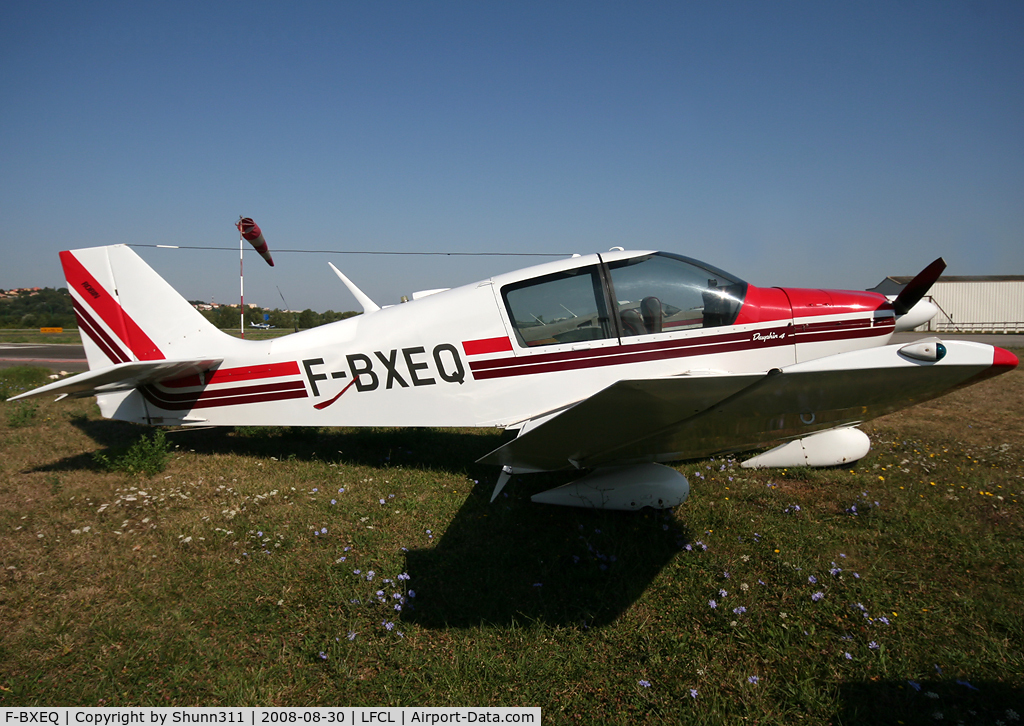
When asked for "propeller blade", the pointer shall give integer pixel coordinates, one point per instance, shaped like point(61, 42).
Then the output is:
point(918, 287)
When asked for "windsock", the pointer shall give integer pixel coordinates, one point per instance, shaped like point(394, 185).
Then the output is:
point(252, 234)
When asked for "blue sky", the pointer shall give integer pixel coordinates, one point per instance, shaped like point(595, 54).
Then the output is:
point(790, 143)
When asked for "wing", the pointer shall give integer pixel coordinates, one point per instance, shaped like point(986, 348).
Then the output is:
point(685, 417)
point(123, 377)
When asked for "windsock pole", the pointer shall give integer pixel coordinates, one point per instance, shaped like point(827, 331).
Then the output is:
point(241, 289)
point(249, 231)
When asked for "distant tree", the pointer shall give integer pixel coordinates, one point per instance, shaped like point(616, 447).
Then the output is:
point(281, 319)
point(308, 319)
point(44, 308)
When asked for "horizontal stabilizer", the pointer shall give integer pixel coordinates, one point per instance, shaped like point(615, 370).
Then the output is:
point(123, 377)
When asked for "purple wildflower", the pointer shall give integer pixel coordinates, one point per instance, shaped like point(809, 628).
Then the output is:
point(817, 596)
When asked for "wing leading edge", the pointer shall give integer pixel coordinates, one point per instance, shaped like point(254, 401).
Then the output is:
point(685, 417)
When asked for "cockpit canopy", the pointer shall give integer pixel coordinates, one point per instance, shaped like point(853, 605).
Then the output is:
point(644, 295)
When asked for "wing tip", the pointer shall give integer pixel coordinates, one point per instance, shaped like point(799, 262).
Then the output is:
point(1002, 358)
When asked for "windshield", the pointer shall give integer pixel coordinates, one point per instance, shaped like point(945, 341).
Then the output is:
point(663, 292)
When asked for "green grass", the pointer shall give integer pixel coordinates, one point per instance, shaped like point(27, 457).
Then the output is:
point(213, 582)
point(148, 456)
point(19, 379)
point(70, 336)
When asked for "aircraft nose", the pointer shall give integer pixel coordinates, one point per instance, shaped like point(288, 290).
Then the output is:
point(921, 313)
point(1004, 359)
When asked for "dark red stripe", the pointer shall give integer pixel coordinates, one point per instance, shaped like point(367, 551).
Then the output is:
point(249, 394)
point(644, 352)
point(664, 348)
point(325, 404)
point(84, 327)
point(98, 335)
point(624, 357)
point(263, 398)
point(225, 393)
point(109, 309)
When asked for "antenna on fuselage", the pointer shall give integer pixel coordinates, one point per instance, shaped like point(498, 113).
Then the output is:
point(369, 305)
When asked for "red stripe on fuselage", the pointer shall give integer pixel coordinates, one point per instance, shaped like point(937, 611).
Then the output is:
point(233, 375)
point(108, 309)
point(487, 345)
point(682, 348)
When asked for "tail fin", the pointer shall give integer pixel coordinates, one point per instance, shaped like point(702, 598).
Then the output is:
point(126, 312)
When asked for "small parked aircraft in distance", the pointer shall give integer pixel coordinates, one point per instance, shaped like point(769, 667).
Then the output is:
point(610, 362)
point(261, 326)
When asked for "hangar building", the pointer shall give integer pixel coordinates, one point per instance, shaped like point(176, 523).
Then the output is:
point(970, 304)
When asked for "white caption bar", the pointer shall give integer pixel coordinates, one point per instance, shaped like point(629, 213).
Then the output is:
point(165, 716)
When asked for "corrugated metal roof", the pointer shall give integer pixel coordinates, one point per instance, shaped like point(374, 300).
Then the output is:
point(904, 279)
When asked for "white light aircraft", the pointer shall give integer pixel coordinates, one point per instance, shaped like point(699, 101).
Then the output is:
point(610, 362)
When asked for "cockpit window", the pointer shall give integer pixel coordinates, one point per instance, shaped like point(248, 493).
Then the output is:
point(663, 292)
point(565, 307)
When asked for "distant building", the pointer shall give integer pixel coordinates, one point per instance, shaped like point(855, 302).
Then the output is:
point(970, 303)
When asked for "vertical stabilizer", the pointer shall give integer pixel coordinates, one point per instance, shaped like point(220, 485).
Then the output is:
point(126, 312)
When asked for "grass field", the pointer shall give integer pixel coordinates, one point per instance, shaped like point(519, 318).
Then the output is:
point(366, 567)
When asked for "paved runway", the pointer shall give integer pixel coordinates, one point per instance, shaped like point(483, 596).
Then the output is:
point(71, 358)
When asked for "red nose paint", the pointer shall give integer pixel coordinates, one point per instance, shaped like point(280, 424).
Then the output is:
point(1002, 358)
